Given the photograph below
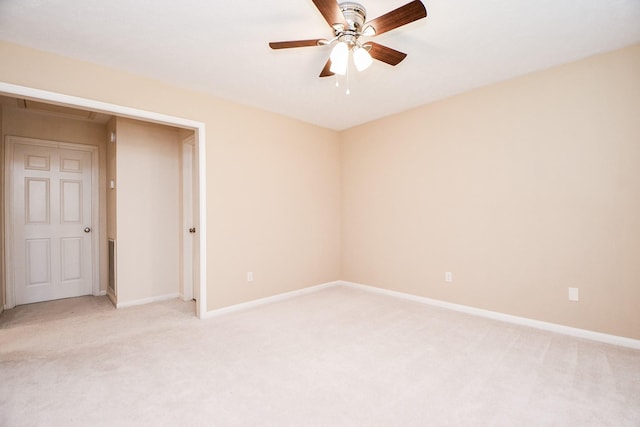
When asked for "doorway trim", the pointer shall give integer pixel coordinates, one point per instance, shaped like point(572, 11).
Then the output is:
point(149, 116)
point(187, 159)
point(10, 142)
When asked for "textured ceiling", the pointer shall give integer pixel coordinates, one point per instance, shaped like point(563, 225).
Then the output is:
point(222, 47)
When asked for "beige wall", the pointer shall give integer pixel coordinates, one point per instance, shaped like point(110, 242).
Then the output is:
point(279, 205)
point(521, 190)
point(273, 188)
point(31, 124)
point(147, 210)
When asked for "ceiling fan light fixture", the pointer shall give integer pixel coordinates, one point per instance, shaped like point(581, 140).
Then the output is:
point(362, 58)
point(339, 58)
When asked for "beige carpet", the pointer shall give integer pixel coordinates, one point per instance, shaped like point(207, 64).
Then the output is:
point(337, 357)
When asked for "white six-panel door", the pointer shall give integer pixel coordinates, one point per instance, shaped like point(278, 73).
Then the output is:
point(51, 200)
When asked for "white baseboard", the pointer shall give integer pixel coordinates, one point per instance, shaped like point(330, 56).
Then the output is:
point(552, 327)
point(267, 300)
point(146, 300)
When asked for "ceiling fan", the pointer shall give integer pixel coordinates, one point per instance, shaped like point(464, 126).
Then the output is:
point(349, 23)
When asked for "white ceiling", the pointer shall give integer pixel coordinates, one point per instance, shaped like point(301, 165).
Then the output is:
point(222, 47)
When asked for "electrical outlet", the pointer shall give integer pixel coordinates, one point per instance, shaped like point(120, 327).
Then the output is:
point(574, 294)
point(448, 277)
point(250, 276)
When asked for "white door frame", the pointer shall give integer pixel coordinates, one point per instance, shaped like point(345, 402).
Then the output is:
point(134, 113)
point(187, 238)
point(10, 143)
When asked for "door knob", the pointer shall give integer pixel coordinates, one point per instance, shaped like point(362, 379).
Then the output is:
point(192, 230)
point(87, 230)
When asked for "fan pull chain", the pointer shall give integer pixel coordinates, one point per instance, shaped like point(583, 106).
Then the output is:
point(348, 91)
point(346, 81)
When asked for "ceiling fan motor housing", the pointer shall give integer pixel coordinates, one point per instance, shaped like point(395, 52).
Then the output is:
point(354, 14)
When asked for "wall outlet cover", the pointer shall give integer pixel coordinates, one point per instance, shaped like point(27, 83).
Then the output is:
point(574, 294)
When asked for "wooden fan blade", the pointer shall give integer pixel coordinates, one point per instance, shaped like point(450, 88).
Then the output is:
point(326, 71)
point(398, 17)
point(294, 43)
point(331, 11)
point(385, 54)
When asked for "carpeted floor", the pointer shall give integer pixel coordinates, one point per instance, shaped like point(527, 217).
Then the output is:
point(337, 357)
